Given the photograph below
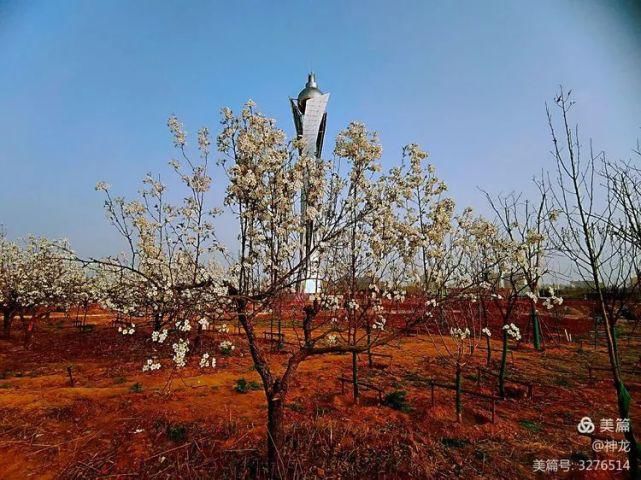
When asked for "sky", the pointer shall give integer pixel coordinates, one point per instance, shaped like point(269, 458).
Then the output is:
point(86, 88)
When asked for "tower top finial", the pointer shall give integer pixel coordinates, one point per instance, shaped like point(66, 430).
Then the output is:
point(311, 80)
point(311, 90)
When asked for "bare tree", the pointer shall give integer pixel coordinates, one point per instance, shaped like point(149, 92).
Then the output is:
point(586, 237)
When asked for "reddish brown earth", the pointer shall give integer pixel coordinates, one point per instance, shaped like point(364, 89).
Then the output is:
point(195, 425)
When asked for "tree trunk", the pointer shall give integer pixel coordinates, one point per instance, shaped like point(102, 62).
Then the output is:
point(623, 396)
point(355, 376)
point(615, 343)
point(6, 323)
point(459, 410)
point(275, 437)
point(157, 322)
point(198, 341)
point(489, 351)
point(370, 363)
point(28, 327)
point(536, 327)
point(503, 365)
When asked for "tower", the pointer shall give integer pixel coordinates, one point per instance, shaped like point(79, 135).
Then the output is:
point(310, 118)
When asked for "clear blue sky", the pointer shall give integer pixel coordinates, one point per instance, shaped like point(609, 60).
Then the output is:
point(86, 87)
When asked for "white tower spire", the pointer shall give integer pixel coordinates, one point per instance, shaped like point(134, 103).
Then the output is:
point(310, 118)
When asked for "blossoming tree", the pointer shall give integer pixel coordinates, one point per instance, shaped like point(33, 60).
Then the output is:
point(176, 271)
point(527, 223)
point(167, 273)
point(37, 276)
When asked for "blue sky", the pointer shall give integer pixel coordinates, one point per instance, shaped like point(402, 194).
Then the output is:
point(86, 88)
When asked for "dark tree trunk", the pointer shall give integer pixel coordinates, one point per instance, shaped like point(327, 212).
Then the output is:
point(6, 322)
point(198, 341)
point(370, 363)
point(28, 328)
point(503, 365)
point(536, 327)
point(275, 436)
point(489, 351)
point(157, 322)
point(459, 410)
point(355, 376)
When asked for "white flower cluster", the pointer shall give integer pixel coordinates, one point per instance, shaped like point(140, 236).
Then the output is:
point(552, 300)
point(184, 326)
point(102, 186)
point(150, 366)
point(331, 339)
point(379, 323)
point(431, 303)
point(207, 361)
point(512, 331)
point(180, 351)
point(459, 333)
point(226, 347)
point(398, 295)
point(532, 296)
point(353, 305)
point(204, 323)
point(486, 332)
point(330, 302)
point(127, 330)
point(224, 328)
point(159, 337)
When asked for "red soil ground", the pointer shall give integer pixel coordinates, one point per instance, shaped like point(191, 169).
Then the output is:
point(195, 425)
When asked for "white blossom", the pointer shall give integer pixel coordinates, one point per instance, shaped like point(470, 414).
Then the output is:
point(180, 351)
point(459, 333)
point(150, 365)
point(207, 361)
point(223, 328)
point(226, 347)
point(513, 331)
point(159, 337)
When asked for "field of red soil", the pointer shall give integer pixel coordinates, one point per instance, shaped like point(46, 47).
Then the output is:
point(118, 422)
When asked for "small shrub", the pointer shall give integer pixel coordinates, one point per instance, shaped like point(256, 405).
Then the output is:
point(243, 386)
point(454, 442)
point(226, 347)
point(481, 456)
point(5, 385)
point(176, 433)
point(136, 388)
point(530, 425)
point(397, 400)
